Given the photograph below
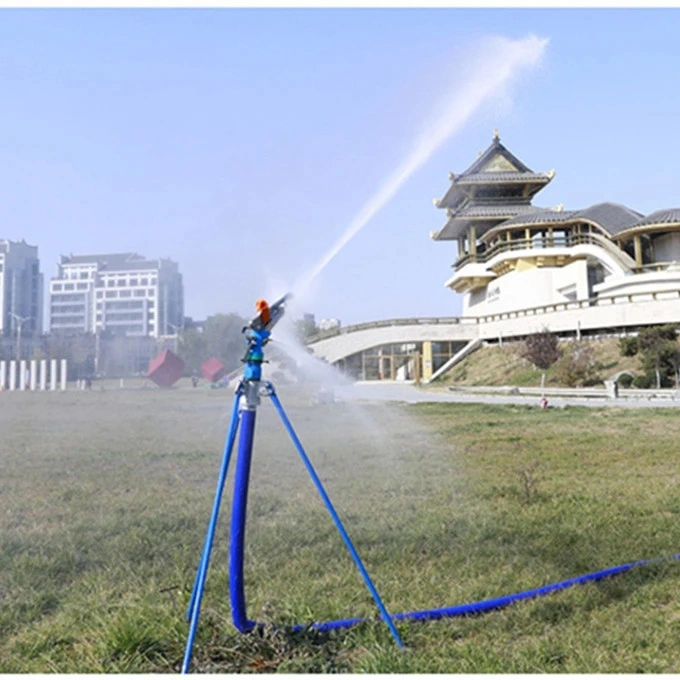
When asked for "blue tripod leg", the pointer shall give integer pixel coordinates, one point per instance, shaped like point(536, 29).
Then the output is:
point(334, 515)
point(197, 592)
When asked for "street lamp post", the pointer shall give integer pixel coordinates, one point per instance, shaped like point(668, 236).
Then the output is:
point(175, 336)
point(20, 324)
point(97, 348)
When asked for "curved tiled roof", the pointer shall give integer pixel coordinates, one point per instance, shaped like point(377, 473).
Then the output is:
point(540, 216)
point(667, 216)
point(661, 220)
point(612, 217)
point(502, 177)
point(459, 221)
point(494, 210)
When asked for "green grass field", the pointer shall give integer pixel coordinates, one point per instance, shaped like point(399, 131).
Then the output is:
point(105, 498)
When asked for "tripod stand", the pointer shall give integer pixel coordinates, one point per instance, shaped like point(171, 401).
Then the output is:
point(244, 411)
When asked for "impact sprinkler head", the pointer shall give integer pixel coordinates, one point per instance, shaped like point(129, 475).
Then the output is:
point(257, 333)
point(268, 315)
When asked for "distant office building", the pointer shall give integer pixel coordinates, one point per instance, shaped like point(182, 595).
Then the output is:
point(21, 286)
point(329, 324)
point(123, 293)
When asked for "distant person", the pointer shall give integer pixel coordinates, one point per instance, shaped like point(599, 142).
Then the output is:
point(194, 381)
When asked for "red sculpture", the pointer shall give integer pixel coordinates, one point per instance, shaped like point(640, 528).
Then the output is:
point(166, 369)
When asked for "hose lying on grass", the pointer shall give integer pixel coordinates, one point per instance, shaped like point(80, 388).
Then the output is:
point(488, 605)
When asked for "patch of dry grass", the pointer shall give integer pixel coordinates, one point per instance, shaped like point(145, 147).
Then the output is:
point(498, 366)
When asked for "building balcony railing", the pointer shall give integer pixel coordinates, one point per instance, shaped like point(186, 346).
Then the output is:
point(657, 267)
point(536, 243)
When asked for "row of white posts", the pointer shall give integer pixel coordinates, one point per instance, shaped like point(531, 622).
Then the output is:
point(28, 377)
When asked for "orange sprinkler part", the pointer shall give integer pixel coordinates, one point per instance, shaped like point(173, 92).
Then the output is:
point(263, 308)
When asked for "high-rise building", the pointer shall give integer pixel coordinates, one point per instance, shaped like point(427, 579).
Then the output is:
point(21, 289)
point(123, 293)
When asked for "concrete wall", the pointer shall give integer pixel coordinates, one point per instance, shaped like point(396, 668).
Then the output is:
point(531, 287)
point(647, 282)
point(616, 314)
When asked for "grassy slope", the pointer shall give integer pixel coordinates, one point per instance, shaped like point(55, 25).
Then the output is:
point(495, 365)
point(105, 498)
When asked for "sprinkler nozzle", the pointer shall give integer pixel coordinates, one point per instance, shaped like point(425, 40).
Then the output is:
point(268, 315)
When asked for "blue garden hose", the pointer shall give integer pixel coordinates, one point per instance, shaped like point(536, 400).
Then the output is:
point(488, 605)
point(247, 419)
point(238, 523)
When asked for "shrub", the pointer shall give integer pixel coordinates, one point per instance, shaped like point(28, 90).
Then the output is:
point(542, 350)
point(645, 381)
point(625, 380)
point(577, 366)
point(628, 346)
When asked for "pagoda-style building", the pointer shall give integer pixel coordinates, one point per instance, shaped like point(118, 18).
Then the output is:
point(496, 188)
point(602, 269)
point(513, 255)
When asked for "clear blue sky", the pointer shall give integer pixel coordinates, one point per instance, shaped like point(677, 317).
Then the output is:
point(241, 143)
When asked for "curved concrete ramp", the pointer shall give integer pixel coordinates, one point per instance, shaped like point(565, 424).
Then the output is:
point(353, 339)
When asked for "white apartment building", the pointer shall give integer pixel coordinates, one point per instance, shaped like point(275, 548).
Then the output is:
point(21, 289)
point(123, 293)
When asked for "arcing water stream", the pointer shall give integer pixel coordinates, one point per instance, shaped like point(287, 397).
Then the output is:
point(493, 67)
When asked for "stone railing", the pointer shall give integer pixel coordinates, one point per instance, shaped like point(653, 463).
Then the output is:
point(368, 325)
point(501, 316)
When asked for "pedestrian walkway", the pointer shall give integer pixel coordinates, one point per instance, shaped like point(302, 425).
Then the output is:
point(557, 398)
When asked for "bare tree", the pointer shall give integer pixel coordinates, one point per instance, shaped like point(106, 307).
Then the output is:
point(542, 350)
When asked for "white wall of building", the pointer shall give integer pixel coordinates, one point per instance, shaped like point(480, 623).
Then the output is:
point(533, 287)
point(644, 283)
point(567, 317)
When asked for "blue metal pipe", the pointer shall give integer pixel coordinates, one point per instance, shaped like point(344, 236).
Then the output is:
point(238, 522)
point(336, 519)
point(199, 584)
